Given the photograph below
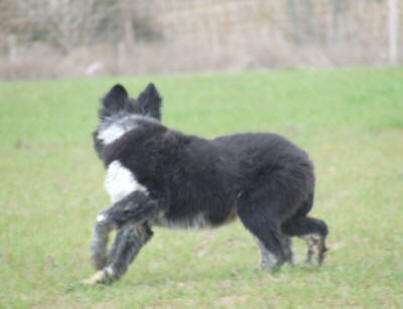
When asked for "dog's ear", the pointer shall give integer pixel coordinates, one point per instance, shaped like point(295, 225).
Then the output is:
point(115, 99)
point(150, 101)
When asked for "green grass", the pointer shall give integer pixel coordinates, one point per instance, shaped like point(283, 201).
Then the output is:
point(51, 188)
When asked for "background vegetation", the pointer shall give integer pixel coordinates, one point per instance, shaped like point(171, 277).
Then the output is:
point(349, 120)
point(53, 38)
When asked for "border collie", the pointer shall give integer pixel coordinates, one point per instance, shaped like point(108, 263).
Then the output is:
point(157, 176)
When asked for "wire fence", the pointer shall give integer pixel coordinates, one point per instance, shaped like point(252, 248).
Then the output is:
point(53, 38)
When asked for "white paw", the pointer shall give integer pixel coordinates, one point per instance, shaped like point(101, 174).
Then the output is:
point(98, 277)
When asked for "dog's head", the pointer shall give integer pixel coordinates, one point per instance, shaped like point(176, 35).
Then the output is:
point(119, 113)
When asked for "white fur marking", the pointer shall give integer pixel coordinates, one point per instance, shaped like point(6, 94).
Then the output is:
point(111, 133)
point(268, 259)
point(114, 128)
point(198, 221)
point(109, 271)
point(101, 217)
point(120, 182)
point(98, 277)
point(313, 242)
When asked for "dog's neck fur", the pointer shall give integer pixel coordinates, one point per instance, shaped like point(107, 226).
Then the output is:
point(114, 127)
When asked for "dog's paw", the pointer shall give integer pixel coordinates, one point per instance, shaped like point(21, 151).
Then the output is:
point(105, 276)
point(98, 278)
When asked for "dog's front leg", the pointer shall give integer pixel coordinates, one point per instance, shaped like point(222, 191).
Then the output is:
point(127, 244)
point(129, 217)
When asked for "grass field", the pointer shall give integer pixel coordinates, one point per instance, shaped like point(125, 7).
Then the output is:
point(51, 188)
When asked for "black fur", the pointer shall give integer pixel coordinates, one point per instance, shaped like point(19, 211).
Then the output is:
point(188, 181)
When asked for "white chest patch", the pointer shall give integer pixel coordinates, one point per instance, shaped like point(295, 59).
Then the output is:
point(120, 182)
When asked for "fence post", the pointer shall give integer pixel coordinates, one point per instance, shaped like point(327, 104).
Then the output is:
point(393, 21)
point(12, 47)
point(294, 20)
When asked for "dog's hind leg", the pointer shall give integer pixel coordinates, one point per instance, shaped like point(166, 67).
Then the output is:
point(128, 216)
point(313, 231)
point(258, 217)
point(287, 247)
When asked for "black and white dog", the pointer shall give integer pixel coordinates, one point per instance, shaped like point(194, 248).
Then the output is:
point(159, 176)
